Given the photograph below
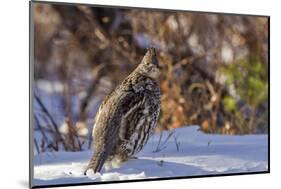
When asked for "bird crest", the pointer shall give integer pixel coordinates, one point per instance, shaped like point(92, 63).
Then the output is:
point(150, 57)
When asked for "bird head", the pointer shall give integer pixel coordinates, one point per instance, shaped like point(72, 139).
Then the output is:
point(149, 65)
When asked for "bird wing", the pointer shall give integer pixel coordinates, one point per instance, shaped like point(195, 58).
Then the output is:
point(138, 122)
point(131, 115)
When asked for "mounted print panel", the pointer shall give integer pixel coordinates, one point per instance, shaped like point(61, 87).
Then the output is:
point(122, 94)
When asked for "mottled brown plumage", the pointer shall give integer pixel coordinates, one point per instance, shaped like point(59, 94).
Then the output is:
point(127, 116)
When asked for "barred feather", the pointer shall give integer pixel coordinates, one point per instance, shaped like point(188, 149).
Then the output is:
point(127, 117)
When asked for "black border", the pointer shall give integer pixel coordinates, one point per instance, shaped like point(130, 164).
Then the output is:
point(31, 62)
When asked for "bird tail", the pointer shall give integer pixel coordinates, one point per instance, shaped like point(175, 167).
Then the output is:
point(97, 161)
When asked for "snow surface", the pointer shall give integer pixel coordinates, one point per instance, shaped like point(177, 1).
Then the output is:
point(188, 152)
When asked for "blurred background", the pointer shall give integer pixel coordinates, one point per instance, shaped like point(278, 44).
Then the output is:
point(214, 69)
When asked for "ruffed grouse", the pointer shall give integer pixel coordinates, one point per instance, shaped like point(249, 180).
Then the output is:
point(127, 116)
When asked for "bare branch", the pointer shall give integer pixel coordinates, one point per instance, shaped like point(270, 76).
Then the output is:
point(163, 145)
point(54, 124)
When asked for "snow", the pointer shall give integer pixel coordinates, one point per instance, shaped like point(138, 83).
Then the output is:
point(187, 152)
point(91, 175)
